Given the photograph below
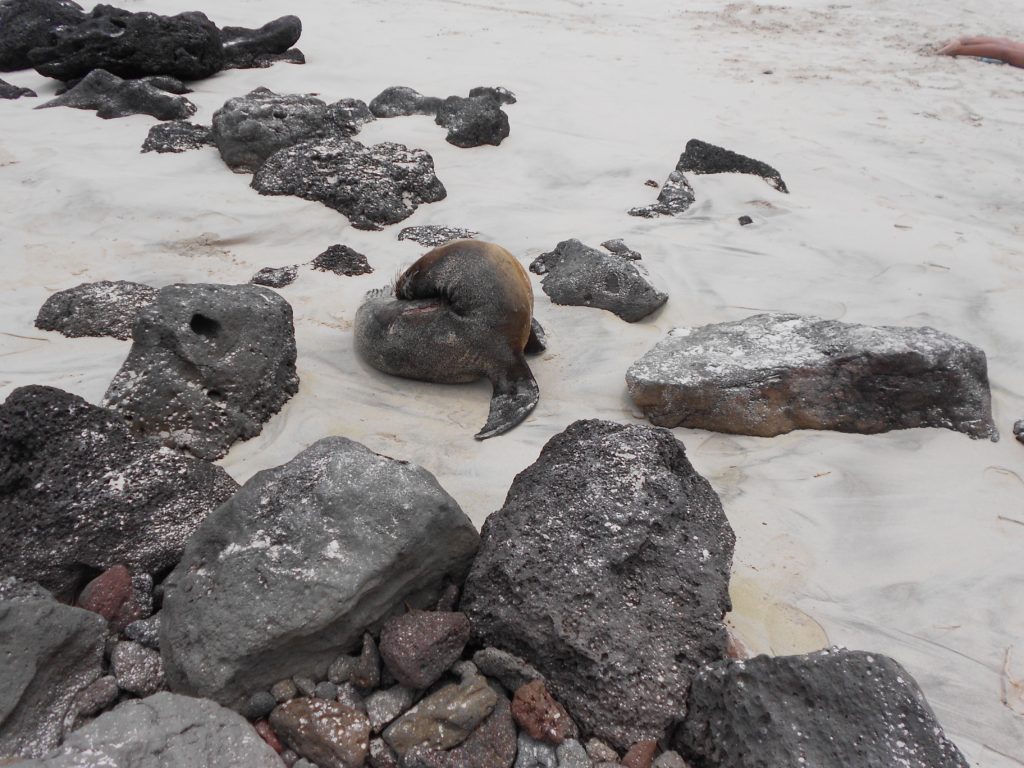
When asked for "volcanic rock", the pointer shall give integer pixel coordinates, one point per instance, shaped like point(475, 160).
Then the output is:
point(79, 494)
point(209, 365)
point(419, 646)
point(511, 671)
point(676, 196)
point(640, 755)
point(126, 44)
point(531, 753)
point(619, 248)
point(540, 716)
point(326, 732)
point(580, 276)
point(433, 235)
point(246, 48)
point(571, 754)
point(177, 136)
point(107, 592)
point(492, 744)
point(474, 121)
point(385, 705)
point(9, 91)
point(607, 569)
point(821, 708)
point(13, 588)
point(28, 24)
point(145, 631)
point(699, 157)
point(364, 673)
point(670, 759)
point(444, 719)
point(342, 260)
point(372, 186)
point(286, 575)
point(772, 373)
point(98, 696)
point(49, 653)
point(104, 308)
point(276, 277)
point(399, 101)
point(1018, 430)
point(138, 669)
point(113, 97)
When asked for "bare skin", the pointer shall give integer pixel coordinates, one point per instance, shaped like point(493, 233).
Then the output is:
point(1001, 48)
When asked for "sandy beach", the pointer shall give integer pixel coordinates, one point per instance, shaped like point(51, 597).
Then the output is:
point(905, 175)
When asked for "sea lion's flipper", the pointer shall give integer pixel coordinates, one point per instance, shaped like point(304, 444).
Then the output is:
point(538, 341)
point(515, 395)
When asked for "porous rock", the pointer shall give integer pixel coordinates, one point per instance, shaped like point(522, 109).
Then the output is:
point(246, 48)
point(28, 24)
point(821, 708)
point(287, 574)
point(163, 730)
point(578, 275)
point(434, 235)
point(373, 186)
point(699, 157)
point(342, 260)
point(1018, 430)
point(772, 373)
point(641, 754)
point(385, 705)
point(474, 121)
point(276, 277)
point(96, 697)
point(249, 129)
point(326, 732)
point(103, 308)
point(177, 136)
point(511, 671)
point(419, 646)
point(49, 653)
point(111, 97)
point(10, 91)
point(600, 752)
point(531, 753)
point(540, 716)
point(186, 46)
point(209, 364)
point(492, 744)
point(609, 516)
point(400, 100)
point(78, 493)
point(443, 719)
point(138, 669)
point(676, 196)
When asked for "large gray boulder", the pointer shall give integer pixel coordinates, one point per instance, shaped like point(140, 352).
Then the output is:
point(161, 731)
point(48, 653)
point(607, 569)
point(300, 562)
point(836, 708)
point(79, 494)
point(773, 373)
point(209, 365)
point(103, 308)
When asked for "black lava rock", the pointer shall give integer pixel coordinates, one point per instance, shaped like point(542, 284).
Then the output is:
point(246, 48)
point(113, 97)
point(208, 366)
point(9, 91)
point(607, 569)
point(276, 277)
point(676, 196)
point(342, 260)
point(699, 157)
point(434, 235)
point(177, 136)
point(399, 101)
point(834, 708)
point(474, 121)
point(373, 186)
point(186, 46)
point(79, 494)
point(619, 248)
point(95, 309)
point(28, 24)
point(745, 220)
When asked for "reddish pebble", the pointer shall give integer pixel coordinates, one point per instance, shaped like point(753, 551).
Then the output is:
point(267, 734)
point(107, 592)
point(641, 755)
point(543, 718)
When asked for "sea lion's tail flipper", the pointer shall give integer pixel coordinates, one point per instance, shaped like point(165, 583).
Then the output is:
point(515, 395)
point(538, 341)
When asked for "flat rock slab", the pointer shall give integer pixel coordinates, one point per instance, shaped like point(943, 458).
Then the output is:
point(163, 730)
point(177, 136)
point(830, 708)
point(607, 570)
point(111, 97)
point(209, 364)
point(290, 572)
point(78, 493)
point(770, 374)
point(103, 308)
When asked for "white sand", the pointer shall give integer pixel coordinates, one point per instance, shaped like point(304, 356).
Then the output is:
point(906, 177)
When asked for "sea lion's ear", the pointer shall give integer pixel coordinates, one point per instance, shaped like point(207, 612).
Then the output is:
point(515, 395)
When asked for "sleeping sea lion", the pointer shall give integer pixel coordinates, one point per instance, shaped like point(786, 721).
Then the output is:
point(461, 312)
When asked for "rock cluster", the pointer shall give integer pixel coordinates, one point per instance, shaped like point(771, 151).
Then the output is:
point(103, 308)
point(472, 121)
point(111, 97)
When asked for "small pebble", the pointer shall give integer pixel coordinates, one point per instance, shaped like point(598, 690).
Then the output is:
point(326, 690)
point(305, 685)
point(285, 690)
point(744, 220)
point(259, 705)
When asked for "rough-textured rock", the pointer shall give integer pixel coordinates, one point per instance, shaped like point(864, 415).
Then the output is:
point(1018, 430)
point(699, 157)
point(10, 91)
point(325, 732)
point(79, 494)
point(259, 705)
point(619, 248)
point(491, 745)
point(145, 631)
point(107, 592)
point(434, 235)
point(138, 669)
point(49, 653)
point(571, 754)
point(474, 121)
point(365, 670)
point(833, 707)
point(399, 101)
point(531, 753)
point(249, 129)
point(209, 365)
point(104, 308)
point(289, 572)
point(306, 685)
point(139, 604)
point(245, 48)
point(600, 752)
point(111, 97)
point(350, 696)
point(745, 220)
point(511, 671)
point(419, 646)
point(676, 196)
point(96, 697)
point(267, 733)
point(773, 373)
point(381, 755)
point(607, 569)
point(385, 705)
point(28, 24)
point(160, 731)
point(640, 755)
point(284, 690)
point(342, 260)
point(13, 588)
point(372, 186)
point(443, 719)
point(126, 44)
point(540, 716)
point(326, 690)
point(177, 136)
point(276, 277)
point(670, 759)
point(578, 275)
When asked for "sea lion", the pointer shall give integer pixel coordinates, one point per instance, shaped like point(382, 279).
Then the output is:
point(463, 311)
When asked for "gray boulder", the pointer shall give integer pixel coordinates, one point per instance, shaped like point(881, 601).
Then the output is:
point(399, 101)
point(676, 196)
point(28, 24)
point(248, 48)
point(249, 129)
point(73, 505)
point(474, 121)
point(304, 558)
point(104, 308)
point(607, 569)
point(209, 365)
point(433, 235)
point(49, 654)
point(137, 669)
point(10, 92)
point(177, 136)
point(373, 186)
point(830, 708)
point(770, 374)
point(111, 97)
point(581, 276)
point(161, 731)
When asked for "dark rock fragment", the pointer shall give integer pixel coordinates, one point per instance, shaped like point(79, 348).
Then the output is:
point(492, 744)
point(98, 696)
point(113, 97)
point(419, 646)
point(699, 157)
point(9, 91)
point(138, 669)
point(745, 220)
point(325, 732)
point(473, 121)
point(676, 196)
point(259, 705)
point(177, 136)
point(28, 24)
point(540, 716)
point(640, 755)
point(342, 260)
point(619, 248)
point(496, 93)
point(104, 308)
point(399, 101)
point(245, 48)
point(433, 235)
point(385, 705)
point(1018, 430)
point(531, 753)
point(275, 277)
